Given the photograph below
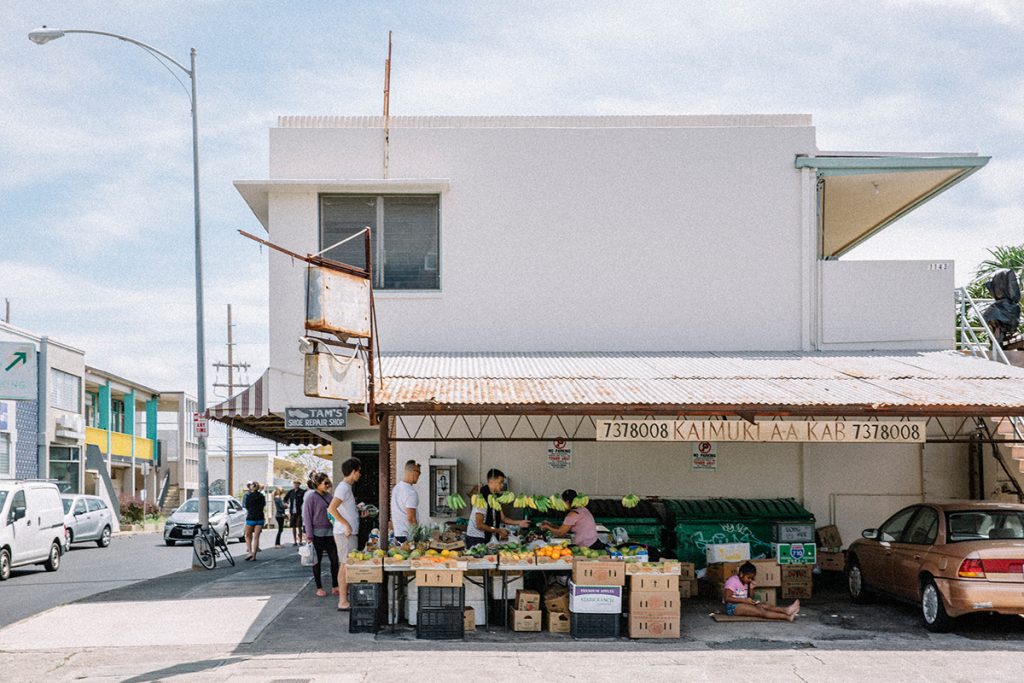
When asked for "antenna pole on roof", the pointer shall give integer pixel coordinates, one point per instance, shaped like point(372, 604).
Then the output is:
point(387, 109)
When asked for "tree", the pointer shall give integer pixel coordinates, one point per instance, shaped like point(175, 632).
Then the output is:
point(300, 463)
point(1007, 256)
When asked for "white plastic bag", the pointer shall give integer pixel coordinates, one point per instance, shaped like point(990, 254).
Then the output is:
point(307, 555)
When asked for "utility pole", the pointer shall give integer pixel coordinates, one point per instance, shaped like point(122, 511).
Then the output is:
point(230, 386)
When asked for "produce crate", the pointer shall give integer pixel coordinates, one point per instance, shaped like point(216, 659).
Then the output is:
point(363, 619)
point(595, 625)
point(441, 624)
point(364, 594)
point(436, 597)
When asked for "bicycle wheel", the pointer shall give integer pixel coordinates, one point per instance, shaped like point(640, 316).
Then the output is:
point(204, 550)
point(222, 547)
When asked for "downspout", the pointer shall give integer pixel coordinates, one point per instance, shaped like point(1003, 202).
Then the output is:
point(42, 439)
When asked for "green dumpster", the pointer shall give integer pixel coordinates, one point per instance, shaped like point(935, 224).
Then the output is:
point(644, 523)
point(697, 523)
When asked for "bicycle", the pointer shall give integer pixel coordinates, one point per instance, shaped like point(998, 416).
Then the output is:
point(208, 545)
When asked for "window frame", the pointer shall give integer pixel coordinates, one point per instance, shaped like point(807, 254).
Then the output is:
point(7, 442)
point(921, 512)
point(56, 390)
point(379, 236)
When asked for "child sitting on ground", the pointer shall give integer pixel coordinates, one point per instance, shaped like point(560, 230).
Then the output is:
point(737, 600)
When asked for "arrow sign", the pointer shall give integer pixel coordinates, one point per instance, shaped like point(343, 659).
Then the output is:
point(18, 371)
point(19, 357)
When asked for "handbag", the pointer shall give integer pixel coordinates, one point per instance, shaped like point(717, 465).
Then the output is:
point(307, 555)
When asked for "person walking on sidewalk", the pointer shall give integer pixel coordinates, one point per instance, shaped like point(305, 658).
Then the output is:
point(346, 521)
point(279, 512)
point(255, 518)
point(318, 528)
point(294, 501)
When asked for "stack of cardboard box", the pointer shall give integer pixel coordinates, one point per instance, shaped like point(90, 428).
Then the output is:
point(687, 580)
point(654, 602)
point(830, 549)
point(556, 605)
point(595, 598)
point(797, 581)
point(526, 614)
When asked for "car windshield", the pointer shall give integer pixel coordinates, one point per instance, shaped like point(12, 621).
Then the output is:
point(216, 506)
point(67, 504)
point(983, 525)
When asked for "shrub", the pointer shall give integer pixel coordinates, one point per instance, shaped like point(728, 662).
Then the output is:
point(132, 509)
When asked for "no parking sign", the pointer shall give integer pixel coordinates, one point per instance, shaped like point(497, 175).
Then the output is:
point(705, 457)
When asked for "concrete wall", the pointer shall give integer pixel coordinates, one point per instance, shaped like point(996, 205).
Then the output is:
point(566, 238)
point(887, 304)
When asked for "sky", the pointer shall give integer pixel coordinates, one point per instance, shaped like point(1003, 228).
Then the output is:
point(96, 223)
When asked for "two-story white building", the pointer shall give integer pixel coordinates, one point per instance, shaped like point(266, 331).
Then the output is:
point(536, 275)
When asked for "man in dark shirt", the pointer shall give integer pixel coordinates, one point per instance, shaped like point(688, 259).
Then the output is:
point(293, 499)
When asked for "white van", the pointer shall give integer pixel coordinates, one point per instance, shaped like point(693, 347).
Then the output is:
point(31, 525)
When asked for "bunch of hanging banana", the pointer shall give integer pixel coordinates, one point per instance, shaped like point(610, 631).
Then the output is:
point(478, 501)
point(580, 501)
point(494, 501)
point(506, 498)
point(556, 503)
point(520, 501)
point(455, 502)
point(631, 501)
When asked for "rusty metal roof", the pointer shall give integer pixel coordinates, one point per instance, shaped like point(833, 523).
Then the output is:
point(930, 382)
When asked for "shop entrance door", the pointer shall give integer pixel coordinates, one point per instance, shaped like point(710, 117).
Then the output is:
point(367, 489)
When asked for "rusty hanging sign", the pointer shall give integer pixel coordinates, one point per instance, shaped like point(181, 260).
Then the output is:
point(339, 302)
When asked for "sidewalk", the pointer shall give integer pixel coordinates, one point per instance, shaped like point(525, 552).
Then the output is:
point(261, 621)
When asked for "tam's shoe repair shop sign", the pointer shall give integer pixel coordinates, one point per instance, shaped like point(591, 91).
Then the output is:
point(787, 431)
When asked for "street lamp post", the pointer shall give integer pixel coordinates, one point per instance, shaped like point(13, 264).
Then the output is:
point(43, 35)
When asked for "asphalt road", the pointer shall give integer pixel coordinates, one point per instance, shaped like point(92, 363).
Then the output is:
point(87, 570)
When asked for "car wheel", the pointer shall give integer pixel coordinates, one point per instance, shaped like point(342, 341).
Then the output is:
point(169, 542)
point(52, 563)
point(5, 564)
point(226, 534)
point(855, 584)
point(67, 539)
point(104, 540)
point(933, 610)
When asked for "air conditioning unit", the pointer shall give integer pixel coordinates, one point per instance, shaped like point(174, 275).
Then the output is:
point(70, 426)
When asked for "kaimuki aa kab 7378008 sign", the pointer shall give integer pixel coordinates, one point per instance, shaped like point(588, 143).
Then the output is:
point(779, 431)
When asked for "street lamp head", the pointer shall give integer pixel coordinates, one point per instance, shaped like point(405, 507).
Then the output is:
point(41, 36)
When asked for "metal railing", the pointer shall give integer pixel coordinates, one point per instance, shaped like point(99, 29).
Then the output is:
point(970, 323)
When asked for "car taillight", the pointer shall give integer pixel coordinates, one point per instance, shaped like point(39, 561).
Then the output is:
point(1003, 566)
point(971, 569)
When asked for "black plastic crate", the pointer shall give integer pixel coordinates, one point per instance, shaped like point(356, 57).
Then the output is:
point(364, 594)
point(440, 624)
point(594, 625)
point(438, 597)
point(363, 619)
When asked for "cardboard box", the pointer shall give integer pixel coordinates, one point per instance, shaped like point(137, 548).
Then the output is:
point(796, 591)
point(769, 573)
point(793, 532)
point(523, 620)
point(728, 552)
point(364, 573)
point(664, 600)
point(556, 599)
point(832, 562)
point(710, 589)
point(829, 538)
point(654, 624)
point(671, 567)
point(768, 596)
point(588, 599)
point(598, 572)
point(527, 601)
point(687, 571)
point(718, 572)
point(558, 622)
point(653, 583)
point(469, 619)
point(688, 589)
point(448, 578)
point(795, 553)
point(796, 573)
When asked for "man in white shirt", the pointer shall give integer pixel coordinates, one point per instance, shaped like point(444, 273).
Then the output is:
point(346, 521)
point(405, 501)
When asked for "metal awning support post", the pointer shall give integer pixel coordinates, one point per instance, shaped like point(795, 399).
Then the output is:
point(384, 480)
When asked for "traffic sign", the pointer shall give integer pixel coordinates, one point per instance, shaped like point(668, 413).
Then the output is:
point(19, 373)
point(201, 424)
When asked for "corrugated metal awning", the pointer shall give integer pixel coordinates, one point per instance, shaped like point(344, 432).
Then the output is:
point(248, 410)
point(937, 382)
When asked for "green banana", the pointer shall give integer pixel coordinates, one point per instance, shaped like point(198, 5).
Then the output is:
point(542, 503)
point(506, 498)
point(520, 501)
point(494, 502)
point(630, 501)
point(580, 501)
point(478, 501)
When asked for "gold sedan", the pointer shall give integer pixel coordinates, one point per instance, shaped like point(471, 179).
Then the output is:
point(951, 559)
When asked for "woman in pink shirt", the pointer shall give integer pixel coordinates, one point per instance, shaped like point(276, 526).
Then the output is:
point(579, 521)
point(736, 596)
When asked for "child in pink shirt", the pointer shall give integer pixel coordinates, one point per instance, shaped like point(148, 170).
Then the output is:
point(737, 600)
